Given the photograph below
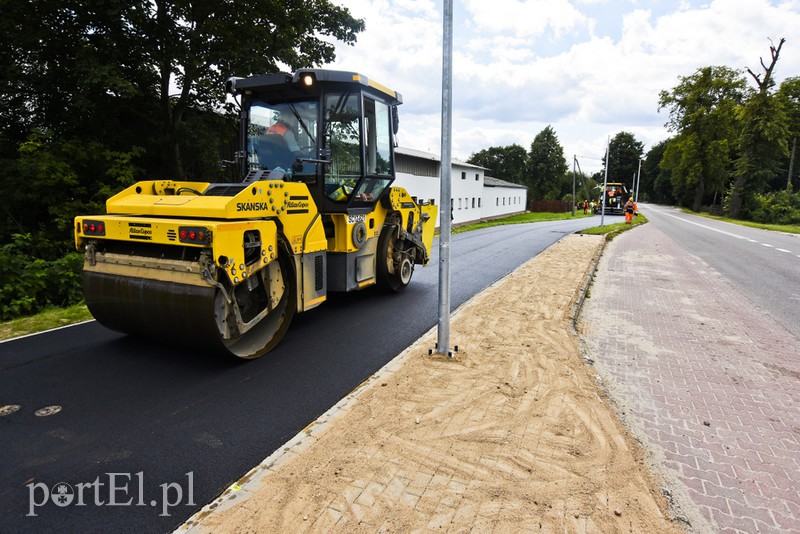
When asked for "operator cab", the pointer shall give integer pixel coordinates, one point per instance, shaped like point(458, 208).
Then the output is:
point(332, 130)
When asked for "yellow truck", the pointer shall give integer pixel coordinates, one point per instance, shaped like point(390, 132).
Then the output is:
point(225, 266)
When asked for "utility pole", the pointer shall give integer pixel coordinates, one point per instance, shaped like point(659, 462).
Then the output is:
point(638, 180)
point(573, 184)
point(605, 184)
point(445, 224)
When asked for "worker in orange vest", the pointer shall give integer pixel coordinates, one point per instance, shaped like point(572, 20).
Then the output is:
point(285, 127)
point(630, 209)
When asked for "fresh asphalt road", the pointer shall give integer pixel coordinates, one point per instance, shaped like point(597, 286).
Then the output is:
point(161, 431)
point(763, 265)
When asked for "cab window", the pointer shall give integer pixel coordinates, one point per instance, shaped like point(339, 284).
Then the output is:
point(279, 133)
point(343, 140)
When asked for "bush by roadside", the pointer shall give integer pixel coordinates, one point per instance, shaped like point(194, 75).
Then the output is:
point(30, 284)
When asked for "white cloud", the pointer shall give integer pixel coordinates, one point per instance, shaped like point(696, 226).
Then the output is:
point(524, 17)
point(589, 68)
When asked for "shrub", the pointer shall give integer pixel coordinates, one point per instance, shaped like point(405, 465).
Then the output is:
point(28, 284)
point(779, 207)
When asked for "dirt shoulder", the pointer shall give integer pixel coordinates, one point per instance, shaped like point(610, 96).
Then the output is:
point(512, 434)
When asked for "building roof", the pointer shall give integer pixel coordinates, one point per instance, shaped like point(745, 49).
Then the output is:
point(433, 157)
point(488, 181)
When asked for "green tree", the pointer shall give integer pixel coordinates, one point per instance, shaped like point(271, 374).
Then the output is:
point(625, 152)
point(789, 95)
point(702, 113)
point(504, 162)
point(547, 167)
point(120, 71)
point(762, 141)
point(655, 181)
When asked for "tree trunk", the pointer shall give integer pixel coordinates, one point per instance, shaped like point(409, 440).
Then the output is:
point(698, 196)
point(735, 205)
point(175, 163)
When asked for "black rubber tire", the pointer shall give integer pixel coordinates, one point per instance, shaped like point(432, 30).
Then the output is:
point(393, 282)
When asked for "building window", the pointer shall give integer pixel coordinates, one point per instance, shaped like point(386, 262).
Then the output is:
point(479, 202)
point(463, 175)
point(459, 203)
point(497, 201)
point(473, 202)
point(477, 176)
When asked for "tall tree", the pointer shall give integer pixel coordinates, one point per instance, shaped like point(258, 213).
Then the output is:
point(789, 95)
point(547, 167)
point(702, 113)
point(762, 141)
point(504, 162)
point(656, 185)
point(625, 152)
point(87, 67)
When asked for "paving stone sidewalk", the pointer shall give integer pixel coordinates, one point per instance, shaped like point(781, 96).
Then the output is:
point(709, 383)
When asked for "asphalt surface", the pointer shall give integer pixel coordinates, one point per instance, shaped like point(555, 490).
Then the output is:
point(763, 265)
point(160, 431)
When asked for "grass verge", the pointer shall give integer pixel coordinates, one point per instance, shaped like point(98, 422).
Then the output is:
point(613, 230)
point(519, 219)
point(46, 320)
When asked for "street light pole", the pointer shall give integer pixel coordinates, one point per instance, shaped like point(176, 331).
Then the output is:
point(574, 158)
point(605, 184)
point(443, 332)
point(638, 180)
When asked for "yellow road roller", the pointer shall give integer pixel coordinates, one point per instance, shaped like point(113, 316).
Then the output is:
point(226, 266)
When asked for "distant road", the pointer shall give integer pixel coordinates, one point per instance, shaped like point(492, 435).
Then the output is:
point(153, 416)
point(763, 265)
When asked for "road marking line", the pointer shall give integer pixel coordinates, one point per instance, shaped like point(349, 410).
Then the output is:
point(783, 250)
point(730, 234)
point(737, 236)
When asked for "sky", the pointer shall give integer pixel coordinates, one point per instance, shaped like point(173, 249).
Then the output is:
point(588, 68)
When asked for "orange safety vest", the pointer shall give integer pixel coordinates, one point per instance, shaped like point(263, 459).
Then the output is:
point(630, 206)
point(279, 128)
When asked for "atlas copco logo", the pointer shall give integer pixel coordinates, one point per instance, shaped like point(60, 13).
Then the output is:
point(118, 489)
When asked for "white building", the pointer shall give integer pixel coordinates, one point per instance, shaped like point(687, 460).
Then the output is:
point(474, 195)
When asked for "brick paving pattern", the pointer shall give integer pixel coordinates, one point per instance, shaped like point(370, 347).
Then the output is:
point(711, 383)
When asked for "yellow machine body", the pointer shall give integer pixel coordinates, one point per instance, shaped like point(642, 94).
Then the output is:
point(226, 266)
